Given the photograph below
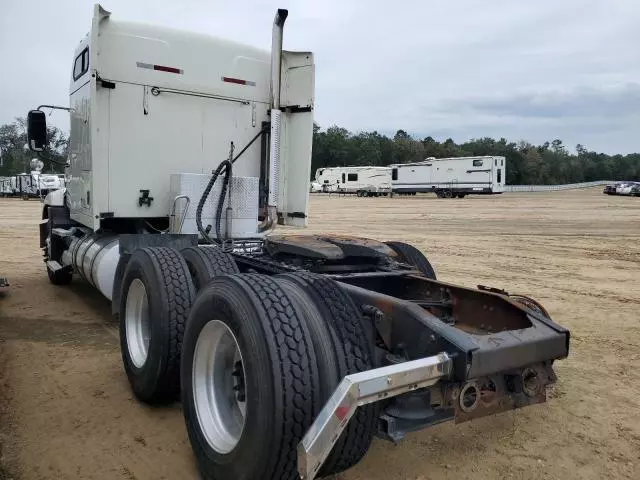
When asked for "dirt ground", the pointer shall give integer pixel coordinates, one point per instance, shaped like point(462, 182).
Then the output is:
point(66, 410)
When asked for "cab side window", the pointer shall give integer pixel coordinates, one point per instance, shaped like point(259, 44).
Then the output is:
point(81, 64)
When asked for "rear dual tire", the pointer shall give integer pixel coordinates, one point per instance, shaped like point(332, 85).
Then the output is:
point(410, 255)
point(280, 370)
point(344, 345)
point(297, 336)
point(281, 343)
point(157, 293)
point(206, 263)
point(158, 287)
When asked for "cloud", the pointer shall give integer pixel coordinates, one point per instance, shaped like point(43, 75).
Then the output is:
point(612, 101)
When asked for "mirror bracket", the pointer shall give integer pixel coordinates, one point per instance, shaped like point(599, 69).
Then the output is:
point(54, 107)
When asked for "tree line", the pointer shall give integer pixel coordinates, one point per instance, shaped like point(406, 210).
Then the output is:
point(549, 163)
point(527, 164)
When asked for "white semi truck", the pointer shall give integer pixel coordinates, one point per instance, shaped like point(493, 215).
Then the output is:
point(363, 181)
point(450, 177)
point(277, 345)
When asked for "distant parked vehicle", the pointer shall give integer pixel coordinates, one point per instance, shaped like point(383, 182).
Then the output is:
point(363, 181)
point(46, 183)
point(315, 187)
point(450, 177)
point(5, 187)
point(623, 188)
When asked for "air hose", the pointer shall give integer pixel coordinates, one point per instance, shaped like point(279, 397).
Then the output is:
point(225, 168)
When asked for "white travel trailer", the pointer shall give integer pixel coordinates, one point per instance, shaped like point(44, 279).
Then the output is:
point(363, 181)
point(34, 184)
point(450, 177)
point(24, 185)
point(5, 186)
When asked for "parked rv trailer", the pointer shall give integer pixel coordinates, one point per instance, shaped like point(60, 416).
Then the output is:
point(363, 181)
point(25, 185)
point(5, 187)
point(450, 177)
point(34, 184)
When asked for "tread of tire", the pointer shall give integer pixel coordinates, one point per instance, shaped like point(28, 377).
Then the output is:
point(414, 257)
point(217, 261)
point(298, 370)
point(357, 350)
point(179, 294)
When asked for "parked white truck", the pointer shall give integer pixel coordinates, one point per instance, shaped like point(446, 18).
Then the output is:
point(450, 177)
point(363, 181)
point(47, 182)
point(277, 345)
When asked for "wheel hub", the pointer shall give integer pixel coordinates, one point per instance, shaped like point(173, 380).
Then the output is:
point(137, 323)
point(238, 374)
point(219, 389)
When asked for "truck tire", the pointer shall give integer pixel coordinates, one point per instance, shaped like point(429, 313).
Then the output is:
point(412, 256)
point(155, 300)
point(207, 262)
point(249, 379)
point(343, 346)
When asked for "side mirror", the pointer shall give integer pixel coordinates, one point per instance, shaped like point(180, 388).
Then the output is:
point(37, 130)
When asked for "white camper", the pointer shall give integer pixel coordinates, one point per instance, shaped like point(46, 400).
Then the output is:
point(5, 187)
point(33, 184)
point(450, 177)
point(24, 185)
point(363, 181)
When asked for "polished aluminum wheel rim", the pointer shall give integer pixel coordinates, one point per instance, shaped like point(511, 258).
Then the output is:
point(137, 323)
point(218, 386)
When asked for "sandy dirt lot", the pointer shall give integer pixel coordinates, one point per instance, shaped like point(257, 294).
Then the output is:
point(66, 410)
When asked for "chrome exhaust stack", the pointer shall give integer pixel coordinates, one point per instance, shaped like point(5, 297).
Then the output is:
point(274, 146)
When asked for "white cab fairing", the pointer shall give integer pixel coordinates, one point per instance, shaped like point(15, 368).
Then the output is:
point(149, 102)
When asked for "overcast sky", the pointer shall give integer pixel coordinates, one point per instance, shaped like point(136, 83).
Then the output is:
point(522, 69)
